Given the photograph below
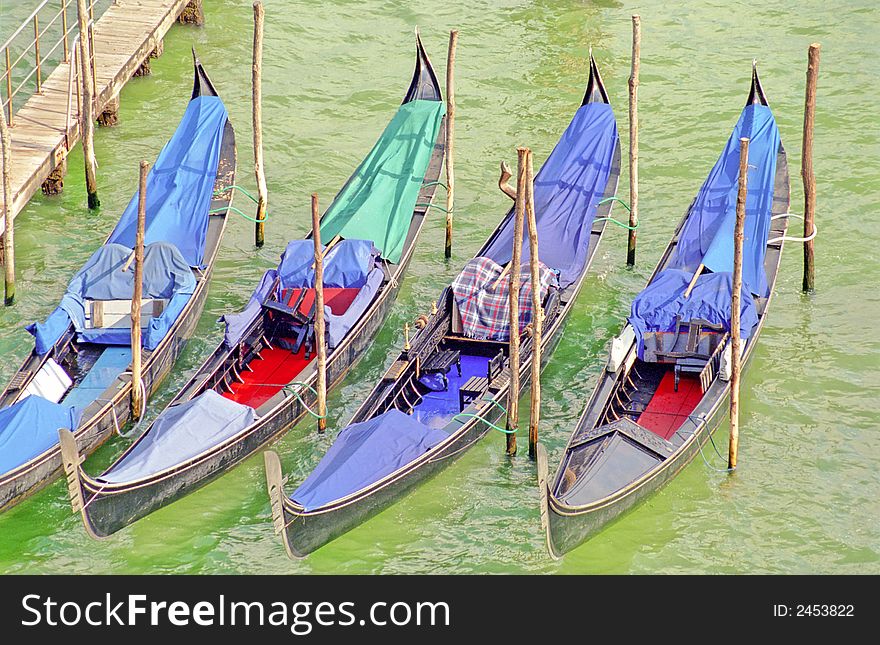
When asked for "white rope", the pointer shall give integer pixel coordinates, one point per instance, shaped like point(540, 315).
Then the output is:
point(786, 238)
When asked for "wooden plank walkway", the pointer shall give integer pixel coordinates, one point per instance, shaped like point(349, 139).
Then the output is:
point(124, 37)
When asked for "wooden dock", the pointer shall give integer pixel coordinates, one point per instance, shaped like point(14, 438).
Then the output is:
point(46, 127)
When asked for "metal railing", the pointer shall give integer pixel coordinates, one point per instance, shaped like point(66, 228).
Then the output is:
point(28, 68)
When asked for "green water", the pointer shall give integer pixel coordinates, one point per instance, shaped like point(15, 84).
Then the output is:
point(805, 498)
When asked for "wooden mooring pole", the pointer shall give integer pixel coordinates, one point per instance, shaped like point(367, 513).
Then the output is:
point(8, 233)
point(320, 340)
point(450, 139)
point(807, 173)
point(87, 124)
point(257, 74)
point(137, 402)
point(537, 310)
point(512, 425)
point(634, 141)
point(736, 300)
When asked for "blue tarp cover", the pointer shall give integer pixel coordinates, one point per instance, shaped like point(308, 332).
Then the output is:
point(238, 323)
point(180, 433)
point(707, 236)
point(349, 264)
point(364, 453)
point(166, 275)
point(567, 190)
point(339, 326)
point(30, 427)
point(655, 308)
point(346, 265)
point(181, 183)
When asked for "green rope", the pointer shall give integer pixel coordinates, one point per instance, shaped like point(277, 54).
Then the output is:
point(223, 209)
point(488, 423)
point(427, 205)
point(615, 198)
point(619, 223)
point(435, 183)
point(289, 388)
point(236, 187)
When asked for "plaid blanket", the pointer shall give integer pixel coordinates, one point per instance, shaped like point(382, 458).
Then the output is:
point(485, 309)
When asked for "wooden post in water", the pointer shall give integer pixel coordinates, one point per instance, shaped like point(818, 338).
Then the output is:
point(515, 262)
point(257, 74)
point(807, 173)
point(537, 310)
point(137, 402)
point(8, 233)
point(320, 340)
point(735, 301)
point(634, 141)
point(87, 125)
point(450, 139)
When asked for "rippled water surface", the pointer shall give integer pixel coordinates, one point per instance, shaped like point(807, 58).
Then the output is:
point(805, 498)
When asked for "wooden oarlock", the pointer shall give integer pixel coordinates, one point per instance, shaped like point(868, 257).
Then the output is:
point(735, 302)
point(516, 260)
point(503, 184)
point(320, 336)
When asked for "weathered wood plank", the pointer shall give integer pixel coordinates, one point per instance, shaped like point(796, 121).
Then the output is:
point(124, 37)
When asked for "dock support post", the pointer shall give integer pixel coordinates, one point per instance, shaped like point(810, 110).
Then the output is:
point(450, 139)
point(537, 309)
point(257, 73)
point(192, 14)
point(8, 233)
point(54, 184)
point(320, 338)
point(515, 278)
point(735, 302)
point(110, 116)
point(807, 173)
point(87, 125)
point(137, 400)
point(634, 141)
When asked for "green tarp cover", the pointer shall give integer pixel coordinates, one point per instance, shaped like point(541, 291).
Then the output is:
point(378, 201)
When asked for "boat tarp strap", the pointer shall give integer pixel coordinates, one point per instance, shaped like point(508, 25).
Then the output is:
point(180, 433)
point(377, 202)
point(707, 235)
point(180, 185)
point(658, 306)
point(364, 453)
point(30, 427)
point(166, 275)
point(568, 189)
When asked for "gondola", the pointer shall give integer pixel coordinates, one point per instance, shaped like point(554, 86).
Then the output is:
point(78, 375)
point(260, 380)
point(665, 386)
point(439, 395)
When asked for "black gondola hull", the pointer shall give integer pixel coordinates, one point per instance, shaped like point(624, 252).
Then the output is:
point(113, 509)
point(17, 485)
point(307, 532)
point(567, 527)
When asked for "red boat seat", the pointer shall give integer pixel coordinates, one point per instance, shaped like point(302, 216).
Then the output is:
point(668, 409)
